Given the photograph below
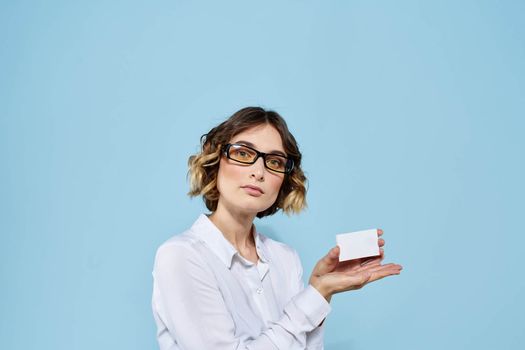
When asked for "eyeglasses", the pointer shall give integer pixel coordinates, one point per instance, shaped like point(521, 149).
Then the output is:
point(247, 155)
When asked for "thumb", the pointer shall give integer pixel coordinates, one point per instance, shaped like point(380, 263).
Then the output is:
point(328, 263)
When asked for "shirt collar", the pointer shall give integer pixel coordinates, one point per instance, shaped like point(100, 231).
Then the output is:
point(260, 245)
point(204, 229)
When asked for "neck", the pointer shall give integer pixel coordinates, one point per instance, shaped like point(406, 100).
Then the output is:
point(236, 228)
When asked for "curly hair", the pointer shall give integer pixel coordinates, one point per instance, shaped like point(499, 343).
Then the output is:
point(204, 166)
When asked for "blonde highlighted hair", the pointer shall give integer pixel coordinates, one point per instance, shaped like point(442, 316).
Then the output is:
point(204, 166)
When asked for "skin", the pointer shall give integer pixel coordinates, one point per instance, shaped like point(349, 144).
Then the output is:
point(330, 276)
point(238, 206)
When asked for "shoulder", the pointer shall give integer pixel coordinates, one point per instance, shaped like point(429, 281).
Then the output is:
point(181, 264)
point(178, 250)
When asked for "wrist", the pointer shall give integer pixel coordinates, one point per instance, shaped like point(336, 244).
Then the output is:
point(316, 283)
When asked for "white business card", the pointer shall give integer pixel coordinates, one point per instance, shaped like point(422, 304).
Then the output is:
point(359, 244)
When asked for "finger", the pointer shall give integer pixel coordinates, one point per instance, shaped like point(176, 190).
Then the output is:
point(334, 252)
point(379, 232)
point(358, 279)
point(381, 255)
point(328, 262)
point(371, 262)
point(389, 269)
point(374, 267)
point(384, 272)
point(376, 259)
point(381, 242)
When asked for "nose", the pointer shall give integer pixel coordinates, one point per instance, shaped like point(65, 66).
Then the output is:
point(258, 169)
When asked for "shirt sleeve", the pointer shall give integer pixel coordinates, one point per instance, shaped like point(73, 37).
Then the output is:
point(315, 337)
point(189, 303)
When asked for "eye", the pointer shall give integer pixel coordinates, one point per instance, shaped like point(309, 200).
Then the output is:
point(275, 162)
point(242, 153)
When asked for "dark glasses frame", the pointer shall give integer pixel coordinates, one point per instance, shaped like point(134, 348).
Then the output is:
point(287, 168)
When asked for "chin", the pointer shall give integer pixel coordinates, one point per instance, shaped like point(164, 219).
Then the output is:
point(247, 204)
point(253, 208)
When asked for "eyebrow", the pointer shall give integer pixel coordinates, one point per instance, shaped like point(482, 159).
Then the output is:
point(249, 144)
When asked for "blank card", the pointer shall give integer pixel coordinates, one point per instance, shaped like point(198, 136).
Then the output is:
point(359, 244)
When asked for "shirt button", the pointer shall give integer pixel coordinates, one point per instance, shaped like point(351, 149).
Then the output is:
point(259, 290)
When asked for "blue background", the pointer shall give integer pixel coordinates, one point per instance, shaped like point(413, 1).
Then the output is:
point(409, 115)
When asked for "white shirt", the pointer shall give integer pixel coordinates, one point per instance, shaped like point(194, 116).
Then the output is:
point(207, 296)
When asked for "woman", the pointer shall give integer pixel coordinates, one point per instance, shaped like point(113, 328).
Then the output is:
point(224, 285)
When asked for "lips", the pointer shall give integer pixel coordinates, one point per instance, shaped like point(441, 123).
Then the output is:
point(253, 189)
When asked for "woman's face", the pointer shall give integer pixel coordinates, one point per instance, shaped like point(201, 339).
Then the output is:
point(250, 188)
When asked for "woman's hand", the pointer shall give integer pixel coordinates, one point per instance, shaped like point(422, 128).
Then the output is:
point(330, 276)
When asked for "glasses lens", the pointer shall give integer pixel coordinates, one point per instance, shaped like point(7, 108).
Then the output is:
point(275, 162)
point(242, 154)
